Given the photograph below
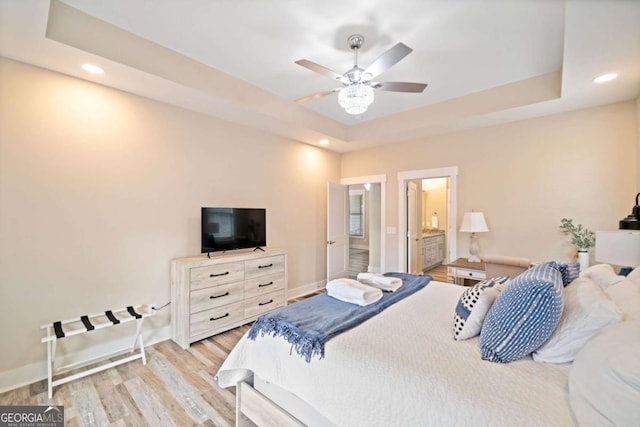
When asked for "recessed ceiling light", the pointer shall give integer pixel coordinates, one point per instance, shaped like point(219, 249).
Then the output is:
point(605, 78)
point(324, 142)
point(93, 69)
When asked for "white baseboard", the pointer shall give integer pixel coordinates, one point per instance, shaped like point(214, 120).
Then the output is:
point(34, 372)
point(300, 291)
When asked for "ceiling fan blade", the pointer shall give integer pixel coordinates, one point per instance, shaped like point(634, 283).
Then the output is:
point(317, 95)
point(387, 60)
point(322, 70)
point(400, 86)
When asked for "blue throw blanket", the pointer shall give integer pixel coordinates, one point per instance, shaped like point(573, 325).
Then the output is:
point(310, 323)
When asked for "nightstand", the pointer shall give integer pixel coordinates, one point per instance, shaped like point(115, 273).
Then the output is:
point(465, 273)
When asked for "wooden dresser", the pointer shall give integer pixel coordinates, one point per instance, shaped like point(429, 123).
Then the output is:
point(212, 295)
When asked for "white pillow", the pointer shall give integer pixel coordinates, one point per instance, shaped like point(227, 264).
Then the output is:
point(473, 306)
point(634, 276)
point(626, 295)
point(604, 380)
point(602, 274)
point(587, 309)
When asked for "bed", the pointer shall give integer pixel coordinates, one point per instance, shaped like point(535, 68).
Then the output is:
point(557, 346)
point(401, 367)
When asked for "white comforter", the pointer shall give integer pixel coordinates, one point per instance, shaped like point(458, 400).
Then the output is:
point(403, 367)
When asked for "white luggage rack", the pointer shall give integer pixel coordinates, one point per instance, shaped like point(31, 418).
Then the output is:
point(67, 328)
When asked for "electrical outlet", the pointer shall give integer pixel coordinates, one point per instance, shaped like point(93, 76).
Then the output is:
point(152, 306)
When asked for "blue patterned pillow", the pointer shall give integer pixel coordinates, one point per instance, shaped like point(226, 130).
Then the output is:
point(524, 315)
point(473, 306)
point(569, 272)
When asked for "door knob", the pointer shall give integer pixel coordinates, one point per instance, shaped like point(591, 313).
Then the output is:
point(330, 242)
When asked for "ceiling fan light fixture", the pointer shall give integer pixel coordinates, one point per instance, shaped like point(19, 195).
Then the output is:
point(355, 98)
point(357, 93)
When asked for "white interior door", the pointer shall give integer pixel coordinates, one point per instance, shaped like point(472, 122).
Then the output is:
point(413, 234)
point(337, 231)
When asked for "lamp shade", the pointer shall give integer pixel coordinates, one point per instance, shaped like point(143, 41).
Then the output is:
point(618, 247)
point(473, 222)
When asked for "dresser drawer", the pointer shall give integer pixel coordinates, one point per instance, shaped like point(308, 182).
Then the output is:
point(471, 274)
point(263, 284)
point(203, 277)
point(263, 266)
point(263, 303)
point(216, 296)
point(215, 318)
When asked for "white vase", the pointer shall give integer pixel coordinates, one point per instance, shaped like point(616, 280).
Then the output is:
point(583, 258)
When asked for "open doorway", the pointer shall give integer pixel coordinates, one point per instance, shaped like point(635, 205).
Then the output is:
point(426, 218)
point(366, 222)
point(364, 228)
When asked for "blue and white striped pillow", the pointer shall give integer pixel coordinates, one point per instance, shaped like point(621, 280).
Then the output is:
point(569, 271)
point(524, 316)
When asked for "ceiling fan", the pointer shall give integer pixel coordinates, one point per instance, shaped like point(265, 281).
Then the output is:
point(356, 94)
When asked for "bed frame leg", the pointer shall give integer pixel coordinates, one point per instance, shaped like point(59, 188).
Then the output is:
point(50, 359)
point(253, 405)
point(238, 402)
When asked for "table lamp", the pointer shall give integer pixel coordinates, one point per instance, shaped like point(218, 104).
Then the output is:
point(632, 222)
point(473, 222)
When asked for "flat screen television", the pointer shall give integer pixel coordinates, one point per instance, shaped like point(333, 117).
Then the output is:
point(225, 229)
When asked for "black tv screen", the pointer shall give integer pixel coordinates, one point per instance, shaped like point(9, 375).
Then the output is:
point(225, 229)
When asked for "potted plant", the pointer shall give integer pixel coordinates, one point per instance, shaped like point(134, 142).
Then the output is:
point(582, 237)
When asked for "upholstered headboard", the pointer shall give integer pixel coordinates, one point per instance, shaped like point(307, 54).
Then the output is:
point(497, 265)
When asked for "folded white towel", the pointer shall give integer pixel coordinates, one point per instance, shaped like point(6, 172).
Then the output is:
point(352, 291)
point(385, 283)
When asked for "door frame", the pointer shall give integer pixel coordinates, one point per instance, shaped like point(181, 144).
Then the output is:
point(382, 180)
point(404, 177)
point(341, 238)
point(413, 221)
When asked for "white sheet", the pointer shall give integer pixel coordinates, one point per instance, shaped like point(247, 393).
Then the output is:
point(403, 367)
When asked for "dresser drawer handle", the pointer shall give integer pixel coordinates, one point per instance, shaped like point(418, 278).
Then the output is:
point(265, 266)
point(218, 275)
point(218, 318)
point(470, 274)
point(265, 284)
point(265, 303)
point(219, 296)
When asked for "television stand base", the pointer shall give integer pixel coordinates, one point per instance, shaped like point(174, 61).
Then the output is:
point(258, 248)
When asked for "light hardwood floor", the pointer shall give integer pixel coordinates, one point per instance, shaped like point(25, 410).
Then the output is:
point(175, 388)
point(358, 262)
point(438, 273)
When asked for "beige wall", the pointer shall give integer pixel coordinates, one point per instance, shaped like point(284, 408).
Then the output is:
point(100, 189)
point(525, 176)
